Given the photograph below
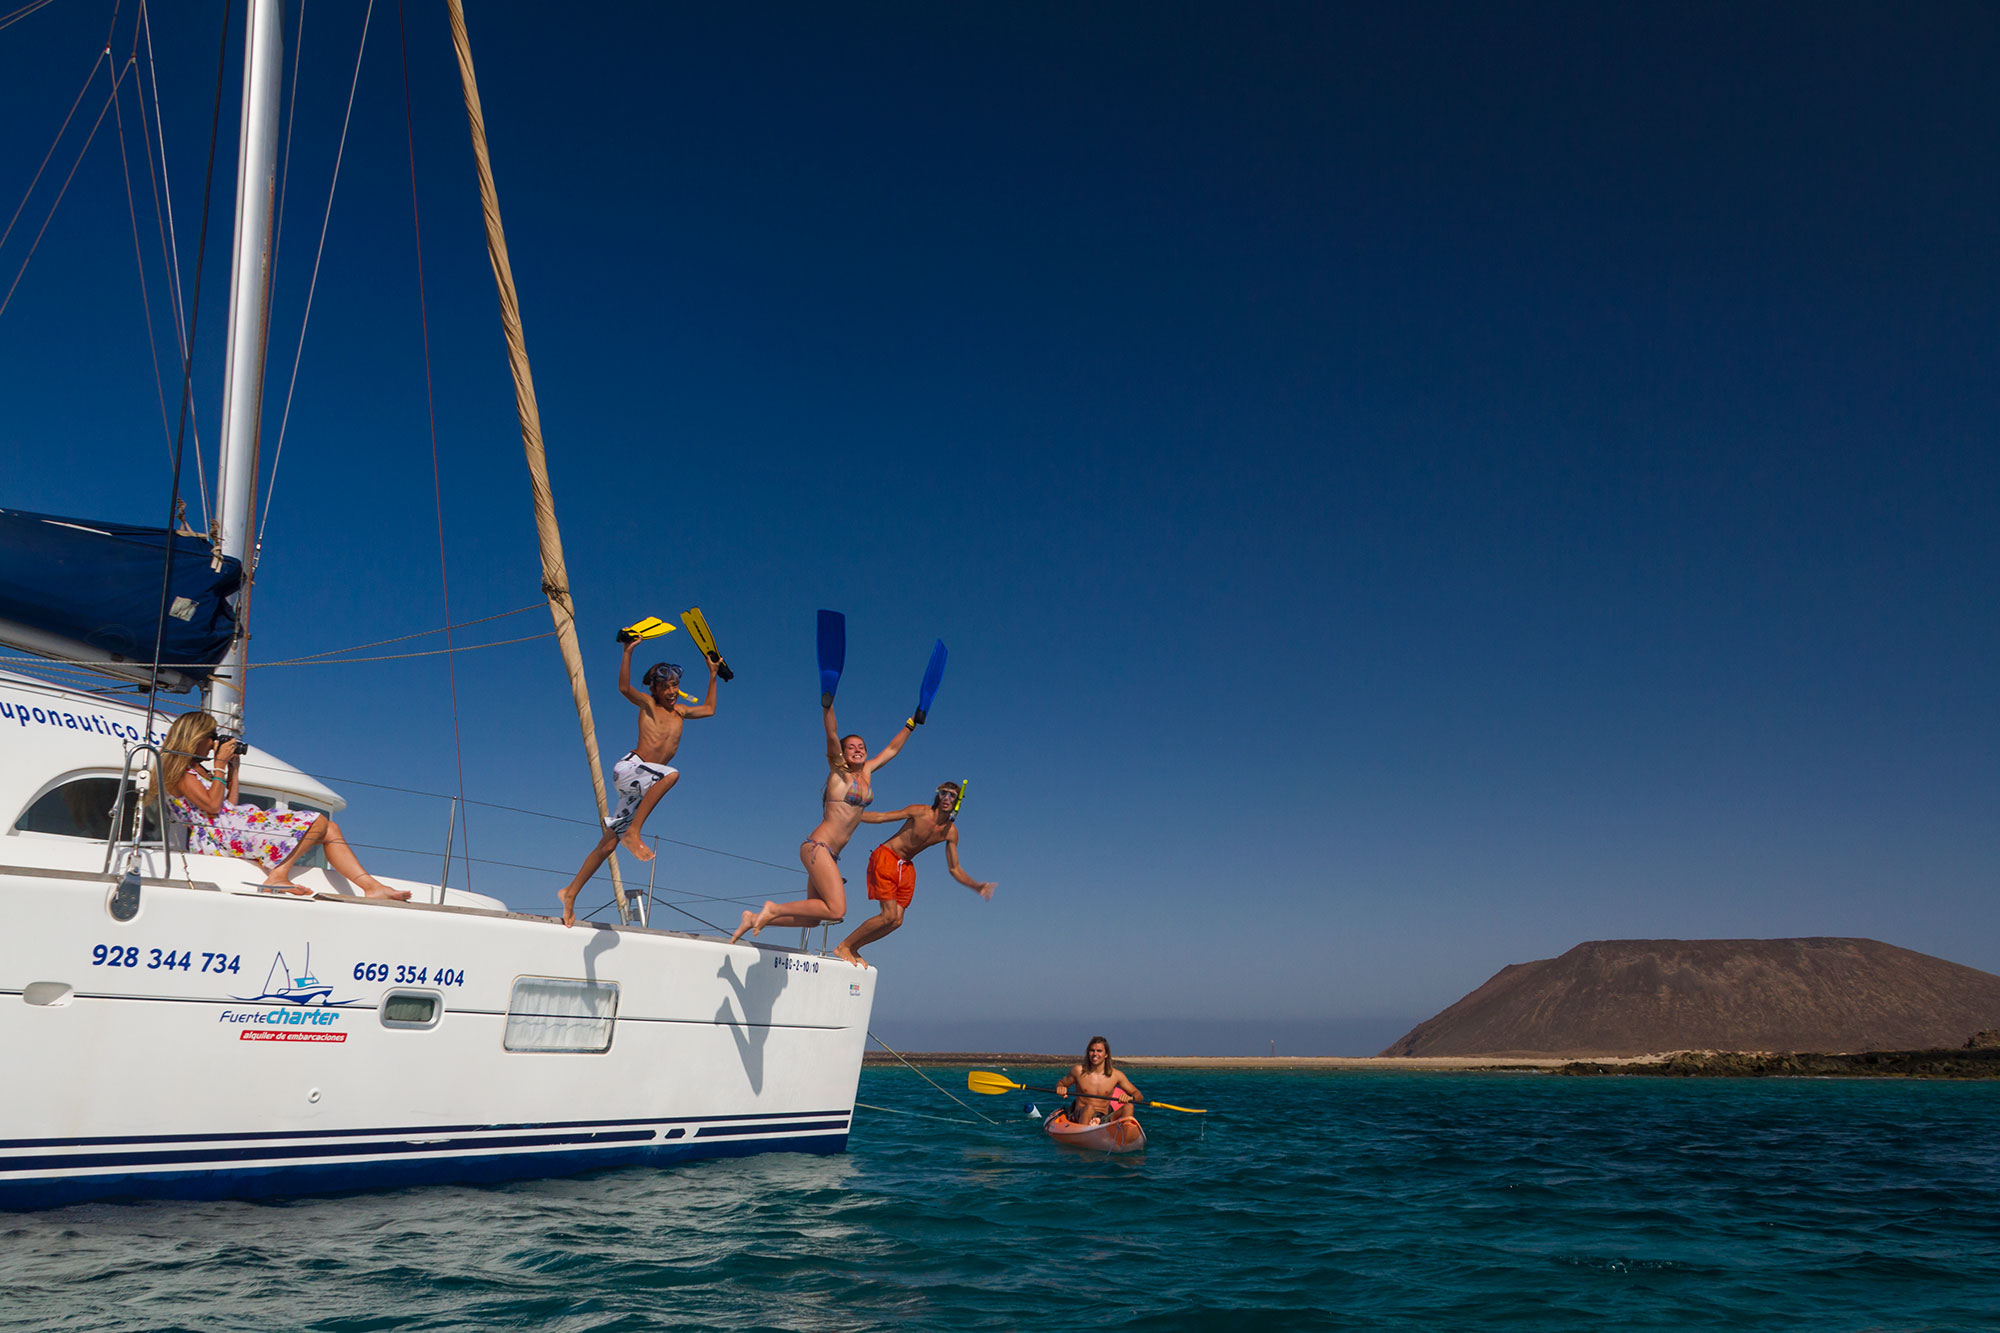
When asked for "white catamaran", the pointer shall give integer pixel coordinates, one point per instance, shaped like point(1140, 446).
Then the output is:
point(169, 1030)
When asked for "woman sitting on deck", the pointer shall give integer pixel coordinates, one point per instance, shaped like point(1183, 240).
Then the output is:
point(220, 824)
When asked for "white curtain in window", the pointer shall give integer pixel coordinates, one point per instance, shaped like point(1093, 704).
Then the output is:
point(561, 1014)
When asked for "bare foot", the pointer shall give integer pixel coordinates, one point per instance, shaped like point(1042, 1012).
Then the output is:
point(842, 952)
point(764, 918)
point(568, 897)
point(281, 884)
point(632, 843)
point(749, 920)
point(382, 890)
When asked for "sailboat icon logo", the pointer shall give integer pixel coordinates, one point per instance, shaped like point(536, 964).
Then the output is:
point(285, 986)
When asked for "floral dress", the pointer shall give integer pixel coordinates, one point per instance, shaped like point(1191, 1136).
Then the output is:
point(249, 831)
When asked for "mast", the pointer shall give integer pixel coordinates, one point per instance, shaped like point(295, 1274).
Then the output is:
point(249, 307)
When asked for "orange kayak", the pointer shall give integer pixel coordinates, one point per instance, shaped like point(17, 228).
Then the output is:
point(1112, 1136)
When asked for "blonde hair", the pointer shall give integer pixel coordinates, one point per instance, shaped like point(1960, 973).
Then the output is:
point(185, 738)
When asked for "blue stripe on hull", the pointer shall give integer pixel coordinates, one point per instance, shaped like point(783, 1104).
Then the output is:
point(331, 1177)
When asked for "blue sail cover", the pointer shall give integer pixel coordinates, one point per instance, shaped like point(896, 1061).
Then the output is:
point(99, 584)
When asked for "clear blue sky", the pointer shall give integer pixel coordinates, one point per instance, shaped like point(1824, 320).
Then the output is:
point(1406, 492)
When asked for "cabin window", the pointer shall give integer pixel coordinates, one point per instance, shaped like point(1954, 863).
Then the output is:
point(561, 1014)
point(81, 808)
point(411, 1009)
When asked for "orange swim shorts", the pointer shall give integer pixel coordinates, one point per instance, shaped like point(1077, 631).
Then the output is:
point(890, 877)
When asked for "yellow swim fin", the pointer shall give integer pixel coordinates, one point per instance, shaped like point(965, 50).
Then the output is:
point(652, 627)
point(697, 627)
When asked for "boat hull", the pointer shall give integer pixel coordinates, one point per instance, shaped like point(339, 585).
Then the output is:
point(194, 1067)
point(1115, 1136)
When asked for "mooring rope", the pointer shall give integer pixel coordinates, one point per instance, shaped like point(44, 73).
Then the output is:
point(941, 1119)
point(927, 1078)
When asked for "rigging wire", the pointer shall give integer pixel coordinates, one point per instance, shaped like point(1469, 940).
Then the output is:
point(560, 819)
point(312, 659)
point(312, 287)
point(103, 55)
point(187, 376)
point(91, 78)
point(555, 572)
point(399, 657)
point(285, 162)
point(139, 255)
point(655, 898)
point(343, 661)
point(170, 249)
point(36, 245)
point(88, 79)
point(404, 638)
point(430, 407)
point(9, 20)
point(686, 895)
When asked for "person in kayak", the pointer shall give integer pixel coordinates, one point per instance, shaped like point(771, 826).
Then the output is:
point(645, 774)
point(892, 874)
point(1102, 1090)
point(849, 791)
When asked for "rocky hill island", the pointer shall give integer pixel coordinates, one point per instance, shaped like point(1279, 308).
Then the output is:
point(1627, 998)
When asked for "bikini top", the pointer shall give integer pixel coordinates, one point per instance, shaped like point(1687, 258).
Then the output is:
point(864, 800)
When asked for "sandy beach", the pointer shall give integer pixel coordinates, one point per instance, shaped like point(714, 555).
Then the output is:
point(1215, 1062)
point(1968, 1062)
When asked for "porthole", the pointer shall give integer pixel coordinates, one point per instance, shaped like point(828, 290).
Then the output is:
point(412, 1009)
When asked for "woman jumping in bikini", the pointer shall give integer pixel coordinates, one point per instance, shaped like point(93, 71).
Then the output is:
point(850, 789)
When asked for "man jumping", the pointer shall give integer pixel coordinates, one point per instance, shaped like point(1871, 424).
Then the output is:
point(892, 874)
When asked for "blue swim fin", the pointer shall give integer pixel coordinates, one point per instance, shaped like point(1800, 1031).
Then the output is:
point(933, 677)
point(832, 654)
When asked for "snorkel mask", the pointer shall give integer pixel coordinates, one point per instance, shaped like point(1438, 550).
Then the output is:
point(668, 673)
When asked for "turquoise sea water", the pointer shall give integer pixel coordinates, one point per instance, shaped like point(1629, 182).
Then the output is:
point(1352, 1201)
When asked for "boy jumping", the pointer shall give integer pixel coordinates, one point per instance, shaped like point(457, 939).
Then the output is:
point(644, 775)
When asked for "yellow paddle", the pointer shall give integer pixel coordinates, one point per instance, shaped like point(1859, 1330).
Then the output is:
point(981, 1081)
